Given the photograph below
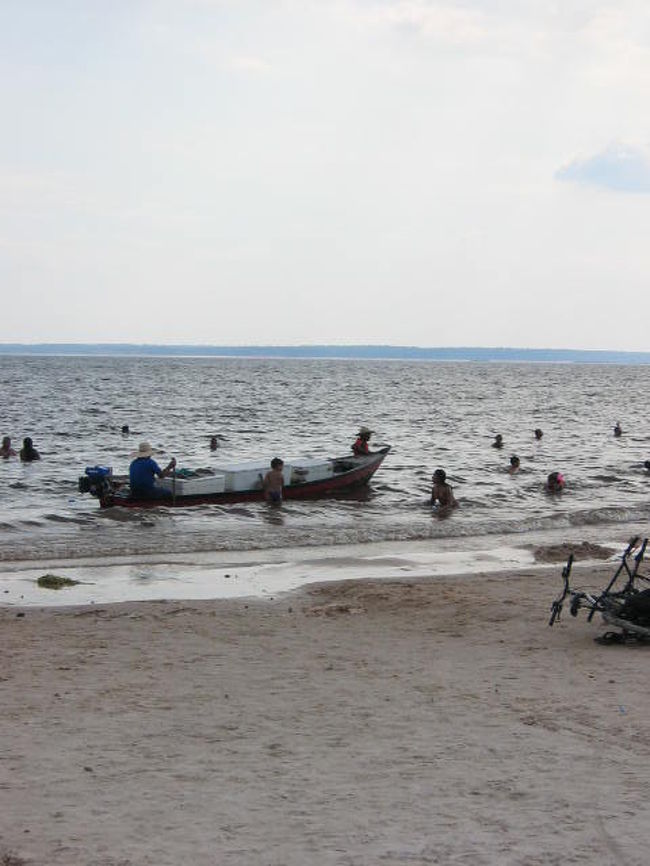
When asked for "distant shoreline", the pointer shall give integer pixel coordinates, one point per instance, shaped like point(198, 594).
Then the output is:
point(324, 352)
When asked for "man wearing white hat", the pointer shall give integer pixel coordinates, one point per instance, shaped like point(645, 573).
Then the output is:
point(360, 447)
point(144, 470)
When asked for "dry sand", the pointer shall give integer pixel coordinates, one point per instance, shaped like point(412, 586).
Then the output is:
point(351, 723)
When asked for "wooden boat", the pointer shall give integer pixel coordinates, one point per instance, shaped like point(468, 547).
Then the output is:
point(304, 478)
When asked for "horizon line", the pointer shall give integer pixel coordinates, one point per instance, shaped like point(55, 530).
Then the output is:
point(342, 351)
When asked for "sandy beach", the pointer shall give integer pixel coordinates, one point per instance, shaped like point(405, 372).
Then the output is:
point(357, 722)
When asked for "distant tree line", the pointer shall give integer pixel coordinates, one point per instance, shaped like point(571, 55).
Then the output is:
point(406, 353)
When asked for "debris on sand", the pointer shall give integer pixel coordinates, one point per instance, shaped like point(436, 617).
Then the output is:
point(583, 550)
point(52, 581)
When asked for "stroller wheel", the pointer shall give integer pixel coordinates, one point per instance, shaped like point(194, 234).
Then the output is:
point(610, 637)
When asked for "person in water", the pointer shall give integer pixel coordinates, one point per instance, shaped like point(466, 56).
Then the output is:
point(28, 453)
point(515, 464)
point(143, 472)
point(6, 450)
point(361, 446)
point(125, 430)
point(498, 441)
point(555, 482)
point(618, 430)
point(442, 493)
point(214, 444)
point(538, 433)
point(274, 482)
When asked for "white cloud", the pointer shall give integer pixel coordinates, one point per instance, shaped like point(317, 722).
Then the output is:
point(620, 167)
point(250, 64)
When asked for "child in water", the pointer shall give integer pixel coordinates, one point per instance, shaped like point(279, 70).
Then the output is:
point(555, 482)
point(274, 482)
point(441, 492)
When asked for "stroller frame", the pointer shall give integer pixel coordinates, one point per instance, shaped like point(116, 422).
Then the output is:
point(611, 601)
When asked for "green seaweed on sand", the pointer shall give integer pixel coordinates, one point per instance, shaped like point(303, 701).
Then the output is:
point(53, 581)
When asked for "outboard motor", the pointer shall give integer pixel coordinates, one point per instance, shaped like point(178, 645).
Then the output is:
point(98, 481)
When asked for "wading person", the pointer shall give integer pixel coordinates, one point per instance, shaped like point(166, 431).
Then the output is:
point(28, 453)
point(442, 493)
point(274, 482)
point(6, 450)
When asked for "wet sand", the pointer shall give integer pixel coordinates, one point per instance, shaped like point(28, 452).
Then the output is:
point(364, 722)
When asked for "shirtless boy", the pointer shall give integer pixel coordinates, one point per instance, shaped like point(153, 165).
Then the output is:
point(274, 482)
point(441, 492)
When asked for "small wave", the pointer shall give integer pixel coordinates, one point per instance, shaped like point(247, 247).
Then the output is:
point(121, 515)
point(62, 518)
point(19, 485)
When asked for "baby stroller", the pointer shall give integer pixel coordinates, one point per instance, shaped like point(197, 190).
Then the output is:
point(624, 603)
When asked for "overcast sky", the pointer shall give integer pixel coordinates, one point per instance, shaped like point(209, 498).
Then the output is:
point(344, 171)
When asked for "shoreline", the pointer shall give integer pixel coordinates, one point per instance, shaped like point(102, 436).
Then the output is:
point(365, 721)
point(273, 572)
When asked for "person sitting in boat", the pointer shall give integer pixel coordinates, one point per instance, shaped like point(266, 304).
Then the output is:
point(143, 472)
point(6, 450)
point(361, 447)
point(442, 493)
point(274, 482)
point(555, 483)
point(28, 453)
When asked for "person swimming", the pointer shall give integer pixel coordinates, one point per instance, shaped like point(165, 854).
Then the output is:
point(555, 482)
point(498, 441)
point(515, 464)
point(538, 433)
point(28, 453)
point(6, 450)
